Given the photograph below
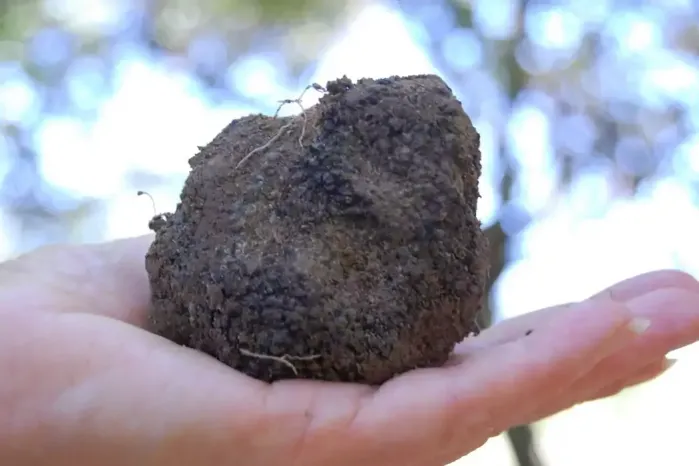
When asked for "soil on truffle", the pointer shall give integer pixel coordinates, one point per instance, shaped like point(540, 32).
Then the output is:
point(351, 254)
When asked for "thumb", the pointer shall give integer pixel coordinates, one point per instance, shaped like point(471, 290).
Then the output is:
point(108, 279)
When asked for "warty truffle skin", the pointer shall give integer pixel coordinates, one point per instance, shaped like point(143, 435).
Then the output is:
point(354, 258)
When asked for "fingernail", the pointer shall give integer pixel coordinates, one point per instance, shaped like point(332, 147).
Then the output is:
point(639, 325)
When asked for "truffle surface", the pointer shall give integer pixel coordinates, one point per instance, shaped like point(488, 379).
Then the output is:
point(339, 244)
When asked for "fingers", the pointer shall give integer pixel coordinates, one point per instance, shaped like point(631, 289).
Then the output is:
point(489, 391)
point(564, 361)
point(674, 317)
point(646, 373)
point(107, 279)
point(530, 371)
point(631, 288)
point(608, 385)
point(642, 284)
point(674, 314)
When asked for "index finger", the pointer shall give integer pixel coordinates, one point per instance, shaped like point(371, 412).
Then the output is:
point(626, 290)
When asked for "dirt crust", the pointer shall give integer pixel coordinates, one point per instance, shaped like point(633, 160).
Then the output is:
point(339, 244)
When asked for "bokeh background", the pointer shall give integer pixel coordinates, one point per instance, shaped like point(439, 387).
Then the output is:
point(588, 113)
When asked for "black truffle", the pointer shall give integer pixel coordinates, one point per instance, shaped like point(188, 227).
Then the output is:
point(339, 244)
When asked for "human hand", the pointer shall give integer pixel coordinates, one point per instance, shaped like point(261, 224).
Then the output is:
point(84, 384)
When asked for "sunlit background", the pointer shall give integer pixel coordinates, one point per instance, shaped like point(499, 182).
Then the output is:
point(588, 113)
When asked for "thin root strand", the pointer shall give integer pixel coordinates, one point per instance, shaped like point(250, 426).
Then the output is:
point(143, 193)
point(297, 101)
point(285, 359)
point(264, 146)
point(303, 126)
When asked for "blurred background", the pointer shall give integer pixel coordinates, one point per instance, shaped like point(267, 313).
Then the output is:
point(588, 113)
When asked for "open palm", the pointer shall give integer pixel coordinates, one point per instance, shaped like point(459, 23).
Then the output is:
point(83, 372)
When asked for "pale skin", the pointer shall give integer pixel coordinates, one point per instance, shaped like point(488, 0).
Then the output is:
point(82, 383)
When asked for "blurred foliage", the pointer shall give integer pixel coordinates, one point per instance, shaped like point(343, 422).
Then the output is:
point(565, 92)
point(60, 58)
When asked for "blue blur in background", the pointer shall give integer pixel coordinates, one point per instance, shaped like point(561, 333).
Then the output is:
point(588, 113)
